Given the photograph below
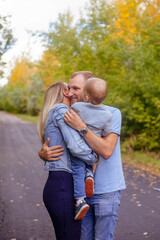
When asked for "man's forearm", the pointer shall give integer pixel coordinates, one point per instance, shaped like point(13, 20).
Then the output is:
point(103, 146)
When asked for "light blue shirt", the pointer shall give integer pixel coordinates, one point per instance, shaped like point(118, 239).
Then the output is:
point(109, 173)
point(61, 134)
point(96, 117)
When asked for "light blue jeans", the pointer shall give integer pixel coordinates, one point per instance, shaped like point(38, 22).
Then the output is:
point(100, 221)
point(79, 173)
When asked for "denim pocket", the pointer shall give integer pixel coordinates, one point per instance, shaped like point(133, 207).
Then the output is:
point(107, 204)
point(104, 207)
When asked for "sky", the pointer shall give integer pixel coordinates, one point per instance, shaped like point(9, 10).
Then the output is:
point(32, 15)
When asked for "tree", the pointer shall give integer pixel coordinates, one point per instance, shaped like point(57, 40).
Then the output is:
point(6, 38)
point(47, 67)
point(35, 95)
point(140, 51)
point(13, 99)
point(21, 72)
point(23, 93)
point(63, 43)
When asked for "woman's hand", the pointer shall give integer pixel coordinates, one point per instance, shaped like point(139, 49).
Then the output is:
point(50, 153)
point(74, 120)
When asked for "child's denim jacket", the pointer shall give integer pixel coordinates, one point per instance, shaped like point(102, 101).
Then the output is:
point(61, 134)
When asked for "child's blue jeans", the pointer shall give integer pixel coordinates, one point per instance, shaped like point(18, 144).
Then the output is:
point(79, 172)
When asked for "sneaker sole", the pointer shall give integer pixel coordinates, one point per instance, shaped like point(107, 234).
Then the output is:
point(89, 187)
point(81, 213)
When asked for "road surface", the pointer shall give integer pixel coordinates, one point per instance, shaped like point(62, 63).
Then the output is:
point(22, 213)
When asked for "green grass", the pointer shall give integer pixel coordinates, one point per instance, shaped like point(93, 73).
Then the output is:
point(145, 160)
point(33, 119)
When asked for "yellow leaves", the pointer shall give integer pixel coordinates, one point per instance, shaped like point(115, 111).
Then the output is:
point(126, 19)
point(47, 67)
point(133, 30)
point(21, 73)
point(130, 15)
point(153, 12)
point(117, 24)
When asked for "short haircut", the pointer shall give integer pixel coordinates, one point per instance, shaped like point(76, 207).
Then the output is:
point(96, 89)
point(85, 74)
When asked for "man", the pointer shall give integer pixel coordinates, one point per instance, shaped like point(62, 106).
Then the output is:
point(100, 221)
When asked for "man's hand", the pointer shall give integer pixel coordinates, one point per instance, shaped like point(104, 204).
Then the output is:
point(50, 153)
point(74, 120)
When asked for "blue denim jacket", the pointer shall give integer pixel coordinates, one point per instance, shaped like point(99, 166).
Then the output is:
point(61, 134)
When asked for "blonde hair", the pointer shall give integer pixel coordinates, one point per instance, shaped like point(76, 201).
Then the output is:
point(53, 96)
point(96, 89)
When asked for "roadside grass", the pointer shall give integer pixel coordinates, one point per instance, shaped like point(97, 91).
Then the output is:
point(29, 118)
point(145, 160)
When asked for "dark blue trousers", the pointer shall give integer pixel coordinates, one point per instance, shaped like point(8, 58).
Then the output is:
point(59, 201)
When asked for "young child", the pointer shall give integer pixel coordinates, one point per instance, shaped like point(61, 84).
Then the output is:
point(99, 120)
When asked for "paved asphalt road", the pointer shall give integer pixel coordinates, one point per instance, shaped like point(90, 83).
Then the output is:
point(22, 213)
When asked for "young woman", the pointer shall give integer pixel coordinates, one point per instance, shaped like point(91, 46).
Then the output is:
point(58, 191)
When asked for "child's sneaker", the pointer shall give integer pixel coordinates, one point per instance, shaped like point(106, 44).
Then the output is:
point(89, 187)
point(80, 210)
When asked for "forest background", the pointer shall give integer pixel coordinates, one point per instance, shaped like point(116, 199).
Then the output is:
point(119, 41)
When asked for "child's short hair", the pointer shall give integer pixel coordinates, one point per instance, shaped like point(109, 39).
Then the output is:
point(96, 89)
